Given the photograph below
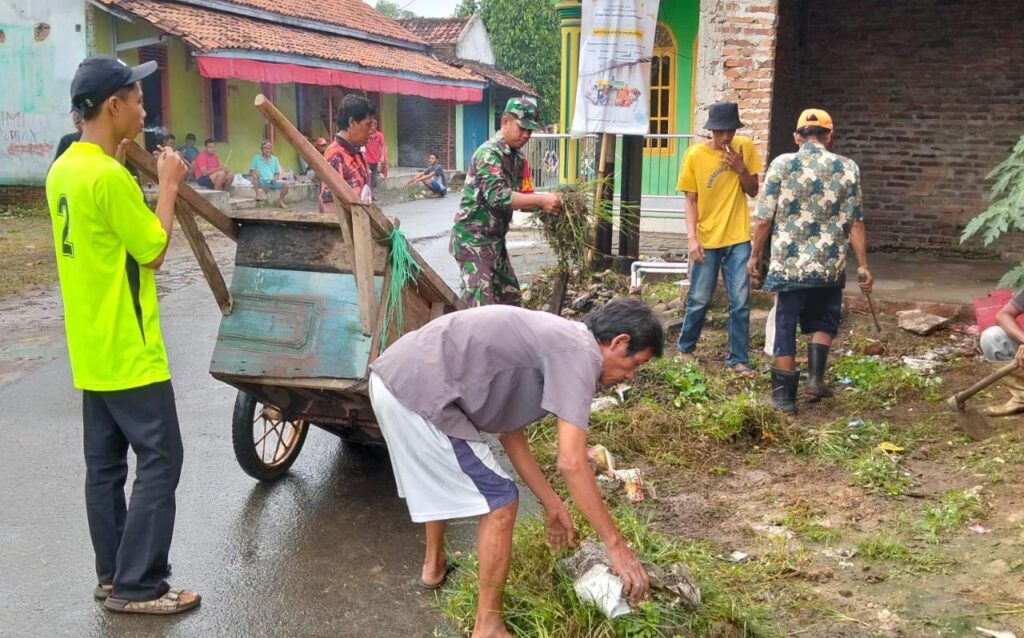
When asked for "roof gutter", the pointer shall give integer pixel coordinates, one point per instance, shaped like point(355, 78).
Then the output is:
point(301, 23)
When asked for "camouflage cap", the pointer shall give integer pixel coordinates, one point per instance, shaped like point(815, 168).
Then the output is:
point(525, 110)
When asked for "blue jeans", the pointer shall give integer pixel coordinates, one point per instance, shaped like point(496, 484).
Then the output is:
point(732, 261)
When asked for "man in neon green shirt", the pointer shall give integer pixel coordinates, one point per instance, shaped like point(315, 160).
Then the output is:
point(108, 245)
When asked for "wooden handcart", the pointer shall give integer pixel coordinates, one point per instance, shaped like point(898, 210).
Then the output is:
point(304, 314)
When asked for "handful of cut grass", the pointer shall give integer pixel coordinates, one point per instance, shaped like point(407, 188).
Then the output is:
point(570, 232)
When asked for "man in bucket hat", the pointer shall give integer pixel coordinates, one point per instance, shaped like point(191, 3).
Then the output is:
point(811, 209)
point(108, 246)
point(494, 188)
point(717, 177)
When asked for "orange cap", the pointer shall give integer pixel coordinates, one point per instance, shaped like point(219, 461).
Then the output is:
point(814, 117)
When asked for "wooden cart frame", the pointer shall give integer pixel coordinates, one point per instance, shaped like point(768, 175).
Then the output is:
point(296, 274)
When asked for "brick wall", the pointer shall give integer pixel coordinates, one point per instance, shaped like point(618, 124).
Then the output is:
point(926, 96)
point(23, 196)
point(423, 128)
point(786, 105)
point(735, 61)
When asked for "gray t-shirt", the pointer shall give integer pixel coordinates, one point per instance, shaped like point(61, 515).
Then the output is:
point(494, 369)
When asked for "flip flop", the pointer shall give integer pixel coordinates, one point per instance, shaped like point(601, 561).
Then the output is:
point(438, 585)
point(102, 592)
point(169, 603)
point(743, 371)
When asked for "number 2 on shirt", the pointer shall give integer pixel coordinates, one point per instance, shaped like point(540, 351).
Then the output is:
point(66, 247)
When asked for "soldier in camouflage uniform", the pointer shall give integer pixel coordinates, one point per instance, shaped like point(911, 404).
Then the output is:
point(811, 206)
point(493, 190)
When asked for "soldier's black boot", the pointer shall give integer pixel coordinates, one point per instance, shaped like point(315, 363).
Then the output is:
point(784, 386)
point(817, 362)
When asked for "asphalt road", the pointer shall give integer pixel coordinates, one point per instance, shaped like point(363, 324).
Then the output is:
point(327, 551)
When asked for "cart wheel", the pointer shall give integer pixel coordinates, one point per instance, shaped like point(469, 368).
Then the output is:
point(266, 444)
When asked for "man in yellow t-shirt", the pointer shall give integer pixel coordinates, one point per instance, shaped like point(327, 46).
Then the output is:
point(108, 244)
point(717, 177)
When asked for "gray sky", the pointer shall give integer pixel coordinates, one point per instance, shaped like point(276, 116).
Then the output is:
point(426, 8)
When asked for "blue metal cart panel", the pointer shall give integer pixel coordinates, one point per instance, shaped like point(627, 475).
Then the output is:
point(292, 324)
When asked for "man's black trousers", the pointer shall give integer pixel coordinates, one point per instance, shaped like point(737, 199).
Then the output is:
point(132, 543)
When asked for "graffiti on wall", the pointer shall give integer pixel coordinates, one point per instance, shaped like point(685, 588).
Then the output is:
point(40, 50)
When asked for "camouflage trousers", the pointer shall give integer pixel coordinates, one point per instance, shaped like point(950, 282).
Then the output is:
point(487, 274)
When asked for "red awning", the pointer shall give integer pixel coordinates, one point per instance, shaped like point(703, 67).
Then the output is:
point(277, 73)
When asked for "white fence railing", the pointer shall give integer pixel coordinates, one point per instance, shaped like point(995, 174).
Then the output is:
point(663, 157)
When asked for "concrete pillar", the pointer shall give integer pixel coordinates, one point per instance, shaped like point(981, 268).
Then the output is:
point(569, 14)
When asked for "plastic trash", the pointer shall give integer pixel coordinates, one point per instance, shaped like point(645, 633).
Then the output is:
point(634, 483)
point(602, 460)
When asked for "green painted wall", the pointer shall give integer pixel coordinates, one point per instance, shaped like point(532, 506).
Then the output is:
point(661, 171)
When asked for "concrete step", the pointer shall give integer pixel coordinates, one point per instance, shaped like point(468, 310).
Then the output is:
point(299, 192)
point(220, 199)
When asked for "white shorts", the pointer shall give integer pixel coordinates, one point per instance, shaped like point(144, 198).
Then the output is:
point(440, 477)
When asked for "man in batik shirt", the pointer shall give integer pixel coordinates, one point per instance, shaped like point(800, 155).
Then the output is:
point(494, 188)
point(811, 206)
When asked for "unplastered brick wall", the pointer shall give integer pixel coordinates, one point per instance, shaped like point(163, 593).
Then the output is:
point(424, 127)
point(786, 97)
point(927, 96)
point(735, 62)
point(23, 196)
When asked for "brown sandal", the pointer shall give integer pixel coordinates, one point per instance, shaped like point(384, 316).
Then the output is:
point(102, 592)
point(169, 603)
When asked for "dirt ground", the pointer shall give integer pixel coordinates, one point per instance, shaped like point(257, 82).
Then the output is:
point(859, 561)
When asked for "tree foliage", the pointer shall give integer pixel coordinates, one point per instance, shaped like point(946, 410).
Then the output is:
point(525, 36)
point(1005, 212)
point(467, 8)
point(393, 10)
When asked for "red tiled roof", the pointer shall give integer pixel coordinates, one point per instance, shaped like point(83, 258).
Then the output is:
point(352, 14)
point(436, 30)
point(208, 31)
point(495, 75)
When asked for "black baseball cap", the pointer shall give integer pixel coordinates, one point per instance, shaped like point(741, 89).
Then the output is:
point(100, 76)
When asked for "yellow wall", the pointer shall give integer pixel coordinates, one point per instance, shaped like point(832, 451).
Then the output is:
point(389, 124)
point(187, 103)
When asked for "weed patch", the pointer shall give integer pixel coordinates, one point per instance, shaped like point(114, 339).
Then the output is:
point(955, 508)
point(880, 472)
point(873, 383)
point(743, 416)
point(540, 601)
point(661, 292)
point(888, 548)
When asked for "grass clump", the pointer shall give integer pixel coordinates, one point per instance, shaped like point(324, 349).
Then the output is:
point(873, 383)
point(809, 524)
point(888, 548)
point(841, 440)
point(661, 292)
point(570, 233)
point(954, 509)
point(880, 472)
point(540, 600)
point(743, 415)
